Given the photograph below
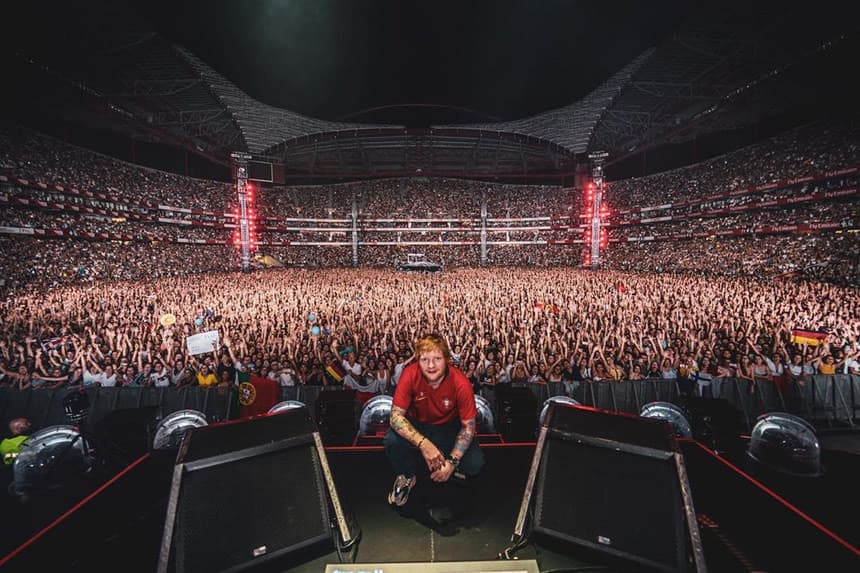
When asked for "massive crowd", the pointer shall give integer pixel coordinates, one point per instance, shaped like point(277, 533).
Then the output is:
point(812, 150)
point(831, 258)
point(838, 214)
point(790, 194)
point(38, 264)
point(115, 219)
point(125, 226)
point(42, 159)
point(519, 325)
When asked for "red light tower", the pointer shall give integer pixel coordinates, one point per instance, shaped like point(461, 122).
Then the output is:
point(245, 194)
point(595, 235)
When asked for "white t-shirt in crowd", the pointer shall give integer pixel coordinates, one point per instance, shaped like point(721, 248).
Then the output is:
point(398, 370)
point(91, 379)
point(160, 379)
point(353, 372)
point(287, 378)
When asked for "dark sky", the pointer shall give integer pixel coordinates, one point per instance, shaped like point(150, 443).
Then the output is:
point(333, 58)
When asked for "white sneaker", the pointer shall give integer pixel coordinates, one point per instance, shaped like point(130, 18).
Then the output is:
point(400, 491)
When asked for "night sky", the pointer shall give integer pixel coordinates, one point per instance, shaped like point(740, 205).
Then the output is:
point(331, 59)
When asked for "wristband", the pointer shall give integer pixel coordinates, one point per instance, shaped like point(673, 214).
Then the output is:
point(421, 442)
point(454, 461)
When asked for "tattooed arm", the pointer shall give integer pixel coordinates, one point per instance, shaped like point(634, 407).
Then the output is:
point(432, 456)
point(461, 444)
point(464, 439)
point(401, 425)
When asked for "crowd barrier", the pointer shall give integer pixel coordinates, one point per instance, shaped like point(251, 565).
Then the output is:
point(45, 407)
point(823, 400)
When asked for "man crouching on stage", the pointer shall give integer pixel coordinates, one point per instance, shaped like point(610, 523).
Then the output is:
point(433, 411)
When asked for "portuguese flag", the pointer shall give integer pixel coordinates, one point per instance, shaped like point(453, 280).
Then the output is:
point(809, 337)
point(256, 394)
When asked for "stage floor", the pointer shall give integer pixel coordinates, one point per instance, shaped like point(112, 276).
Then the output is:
point(121, 526)
point(450, 522)
point(441, 522)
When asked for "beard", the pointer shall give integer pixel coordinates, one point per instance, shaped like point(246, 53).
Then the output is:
point(436, 376)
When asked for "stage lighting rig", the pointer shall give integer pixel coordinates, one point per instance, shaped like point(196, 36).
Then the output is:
point(595, 235)
point(672, 414)
point(245, 221)
point(171, 430)
point(286, 405)
point(555, 399)
point(786, 443)
point(375, 416)
point(52, 457)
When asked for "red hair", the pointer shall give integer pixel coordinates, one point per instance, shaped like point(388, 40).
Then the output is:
point(430, 343)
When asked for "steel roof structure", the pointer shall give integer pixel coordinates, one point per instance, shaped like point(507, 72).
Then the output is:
point(728, 66)
point(572, 126)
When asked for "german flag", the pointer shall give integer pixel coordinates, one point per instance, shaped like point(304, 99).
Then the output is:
point(808, 337)
point(335, 372)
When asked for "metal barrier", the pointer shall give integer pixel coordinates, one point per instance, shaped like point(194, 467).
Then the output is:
point(45, 407)
point(822, 399)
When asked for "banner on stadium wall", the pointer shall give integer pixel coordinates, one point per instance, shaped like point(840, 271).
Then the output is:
point(17, 230)
point(202, 343)
point(736, 208)
point(840, 193)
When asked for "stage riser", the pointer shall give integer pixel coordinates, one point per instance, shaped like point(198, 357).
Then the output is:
point(124, 523)
point(773, 536)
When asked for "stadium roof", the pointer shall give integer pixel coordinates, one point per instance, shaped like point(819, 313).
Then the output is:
point(151, 73)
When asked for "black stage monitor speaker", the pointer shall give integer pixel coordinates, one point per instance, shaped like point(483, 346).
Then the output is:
point(247, 492)
point(336, 416)
point(517, 413)
point(716, 423)
point(123, 435)
point(612, 483)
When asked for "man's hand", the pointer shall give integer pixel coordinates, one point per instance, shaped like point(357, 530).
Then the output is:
point(444, 473)
point(432, 457)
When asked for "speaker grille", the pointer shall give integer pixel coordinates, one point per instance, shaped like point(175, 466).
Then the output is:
point(274, 501)
point(611, 500)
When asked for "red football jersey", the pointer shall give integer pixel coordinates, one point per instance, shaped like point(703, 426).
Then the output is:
point(453, 398)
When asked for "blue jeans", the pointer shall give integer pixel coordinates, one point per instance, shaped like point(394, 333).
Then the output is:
point(404, 457)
